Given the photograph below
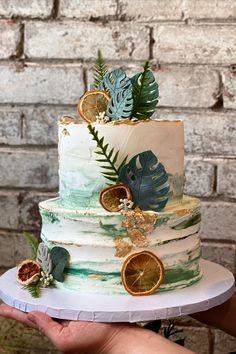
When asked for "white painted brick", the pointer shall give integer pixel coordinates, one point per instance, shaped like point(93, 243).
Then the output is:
point(151, 10)
point(220, 253)
point(229, 88)
point(82, 40)
point(226, 183)
point(205, 132)
point(87, 9)
point(36, 83)
point(7, 248)
point(218, 220)
point(9, 38)
point(223, 343)
point(187, 86)
point(24, 8)
point(214, 9)
point(29, 217)
point(201, 44)
point(10, 126)
point(199, 177)
point(40, 124)
point(9, 210)
point(21, 168)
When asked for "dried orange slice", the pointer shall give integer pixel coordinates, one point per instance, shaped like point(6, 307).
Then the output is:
point(92, 103)
point(28, 272)
point(142, 273)
point(110, 197)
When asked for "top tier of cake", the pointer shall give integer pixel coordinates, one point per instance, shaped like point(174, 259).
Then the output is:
point(80, 175)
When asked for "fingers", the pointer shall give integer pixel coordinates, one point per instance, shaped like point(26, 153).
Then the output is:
point(14, 314)
point(46, 325)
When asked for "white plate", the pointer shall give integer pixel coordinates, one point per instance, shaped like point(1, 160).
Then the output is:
point(215, 287)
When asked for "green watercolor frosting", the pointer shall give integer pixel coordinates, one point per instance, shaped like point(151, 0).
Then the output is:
point(177, 273)
point(49, 217)
point(111, 230)
point(88, 272)
point(193, 220)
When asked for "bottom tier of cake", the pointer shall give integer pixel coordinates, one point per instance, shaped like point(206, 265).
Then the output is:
point(99, 243)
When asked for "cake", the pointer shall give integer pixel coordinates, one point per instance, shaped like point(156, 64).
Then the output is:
point(121, 216)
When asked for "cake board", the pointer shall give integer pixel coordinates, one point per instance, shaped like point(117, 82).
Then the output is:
point(215, 287)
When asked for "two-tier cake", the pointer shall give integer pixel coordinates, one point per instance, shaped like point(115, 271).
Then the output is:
point(121, 222)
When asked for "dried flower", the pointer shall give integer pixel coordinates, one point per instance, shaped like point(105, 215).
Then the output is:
point(126, 204)
point(46, 279)
point(101, 118)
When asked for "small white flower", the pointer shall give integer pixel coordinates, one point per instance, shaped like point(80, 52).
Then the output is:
point(101, 118)
point(46, 279)
point(125, 204)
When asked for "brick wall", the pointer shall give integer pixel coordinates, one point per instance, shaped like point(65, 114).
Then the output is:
point(47, 48)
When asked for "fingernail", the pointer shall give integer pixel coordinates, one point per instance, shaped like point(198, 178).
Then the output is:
point(31, 318)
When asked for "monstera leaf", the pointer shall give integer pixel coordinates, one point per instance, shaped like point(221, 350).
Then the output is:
point(148, 181)
point(145, 93)
point(114, 81)
point(120, 105)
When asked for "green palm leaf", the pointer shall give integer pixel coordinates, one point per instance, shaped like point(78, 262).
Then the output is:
point(147, 180)
point(145, 93)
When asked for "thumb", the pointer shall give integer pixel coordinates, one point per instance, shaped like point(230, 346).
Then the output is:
point(46, 325)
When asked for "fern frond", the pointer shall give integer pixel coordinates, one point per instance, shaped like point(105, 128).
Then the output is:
point(32, 241)
point(109, 169)
point(33, 289)
point(100, 70)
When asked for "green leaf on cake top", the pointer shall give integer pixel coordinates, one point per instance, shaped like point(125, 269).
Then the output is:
point(107, 157)
point(120, 105)
point(100, 70)
point(145, 93)
point(128, 98)
point(119, 87)
point(148, 181)
point(114, 81)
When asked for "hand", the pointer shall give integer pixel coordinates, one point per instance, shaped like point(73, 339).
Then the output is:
point(79, 337)
point(222, 316)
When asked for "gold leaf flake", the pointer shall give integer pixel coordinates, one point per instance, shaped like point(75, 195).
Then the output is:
point(66, 120)
point(139, 224)
point(182, 212)
point(141, 220)
point(138, 238)
point(65, 132)
point(122, 247)
point(96, 276)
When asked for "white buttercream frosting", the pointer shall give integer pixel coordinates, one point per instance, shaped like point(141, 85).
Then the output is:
point(80, 174)
point(90, 238)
